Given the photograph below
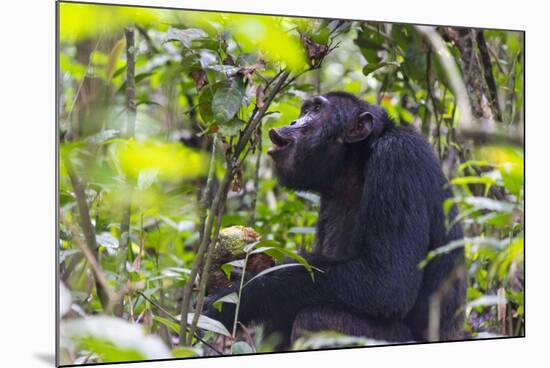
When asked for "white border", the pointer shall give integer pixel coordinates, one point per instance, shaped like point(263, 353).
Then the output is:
point(27, 204)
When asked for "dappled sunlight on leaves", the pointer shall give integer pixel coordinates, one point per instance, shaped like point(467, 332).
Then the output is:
point(78, 21)
point(171, 161)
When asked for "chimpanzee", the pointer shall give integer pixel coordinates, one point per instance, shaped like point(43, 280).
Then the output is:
point(382, 192)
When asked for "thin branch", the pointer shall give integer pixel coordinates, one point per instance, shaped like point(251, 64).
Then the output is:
point(453, 73)
point(256, 118)
point(273, 79)
point(457, 274)
point(130, 127)
point(174, 319)
point(81, 84)
point(109, 295)
point(188, 288)
point(205, 271)
point(143, 32)
point(488, 74)
point(289, 82)
point(79, 188)
point(204, 202)
point(216, 209)
point(241, 286)
point(130, 80)
point(256, 176)
point(498, 136)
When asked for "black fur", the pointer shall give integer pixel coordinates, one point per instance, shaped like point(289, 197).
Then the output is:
point(381, 212)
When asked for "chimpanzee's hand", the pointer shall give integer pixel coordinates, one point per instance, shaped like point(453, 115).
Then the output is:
point(227, 314)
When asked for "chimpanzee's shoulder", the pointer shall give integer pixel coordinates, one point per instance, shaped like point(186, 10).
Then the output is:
point(395, 137)
point(403, 144)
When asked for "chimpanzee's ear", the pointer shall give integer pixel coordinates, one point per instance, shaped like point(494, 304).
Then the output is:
point(361, 128)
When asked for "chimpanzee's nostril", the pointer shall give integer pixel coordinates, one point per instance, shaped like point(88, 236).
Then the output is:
point(293, 122)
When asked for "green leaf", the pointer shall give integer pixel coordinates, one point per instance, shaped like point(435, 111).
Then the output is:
point(107, 240)
point(487, 300)
point(227, 101)
point(280, 267)
point(108, 351)
point(180, 352)
point(185, 36)
point(231, 128)
point(175, 327)
point(232, 298)
point(486, 242)
point(369, 42)
point(146, 102)
point(102, 136)
point(114, 339)
point(138, 78)
point(64, 254)
point(272, 248)
point(455, 244)
point(489, 204)
point(371, 67)
point(208, 324)
point(228, 267)
point(113, 58)
point(241, 347)
point(205, 102)
point(227, 70)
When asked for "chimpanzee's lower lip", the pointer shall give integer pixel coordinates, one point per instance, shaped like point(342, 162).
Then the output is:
point(279, 142)
point(275, 150)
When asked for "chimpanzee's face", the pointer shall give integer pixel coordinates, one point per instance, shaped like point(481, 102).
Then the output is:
point(308, 152)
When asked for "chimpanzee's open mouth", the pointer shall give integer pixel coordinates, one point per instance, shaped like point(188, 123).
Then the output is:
point(279, 141)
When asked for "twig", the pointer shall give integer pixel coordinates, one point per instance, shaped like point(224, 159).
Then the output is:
point(188, 288)
point(216, 209)
point(142, 31)
point(241, 286)
point(109, 295)
point(256, 118)
point(453, 73)
point(206, 270)
point(481, 136)
point(88, 230)
point(204, 201)
point(488, 74)
point(435, 302)
point(273, 79)
point(81, 84)
point(433, 100)
point(256, 176)
point(174, 319)
point(289, 82)
point(130, 80)
point(130, 127)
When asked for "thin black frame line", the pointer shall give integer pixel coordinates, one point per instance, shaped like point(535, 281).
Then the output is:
point(58, 91)
point(282, 15)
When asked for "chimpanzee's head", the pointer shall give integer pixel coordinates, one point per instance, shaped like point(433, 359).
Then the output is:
point(331, 132)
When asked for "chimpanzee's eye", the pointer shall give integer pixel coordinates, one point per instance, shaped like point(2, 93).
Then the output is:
point(316, 107)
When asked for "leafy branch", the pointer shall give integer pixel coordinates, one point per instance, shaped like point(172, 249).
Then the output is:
point(216, 212)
